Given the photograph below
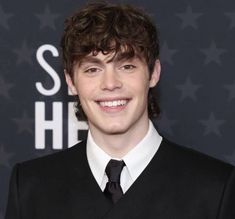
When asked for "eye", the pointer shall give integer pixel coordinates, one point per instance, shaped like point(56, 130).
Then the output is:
point(92, 70)
point(128, 67)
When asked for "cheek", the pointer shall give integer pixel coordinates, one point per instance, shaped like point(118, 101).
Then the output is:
point(86, 90)
point(141, 86)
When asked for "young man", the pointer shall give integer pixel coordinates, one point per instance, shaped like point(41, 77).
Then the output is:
point(124, 169)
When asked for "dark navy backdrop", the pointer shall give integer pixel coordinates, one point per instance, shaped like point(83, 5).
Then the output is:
point(197, 88)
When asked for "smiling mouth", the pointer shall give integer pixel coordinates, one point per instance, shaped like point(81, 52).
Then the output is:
point(114, 103)
point(112, 106)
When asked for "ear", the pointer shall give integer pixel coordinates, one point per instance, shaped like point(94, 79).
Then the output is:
point(70, 83)
point(156, 74)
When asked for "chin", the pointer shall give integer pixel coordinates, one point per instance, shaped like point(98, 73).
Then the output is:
point(115, 130)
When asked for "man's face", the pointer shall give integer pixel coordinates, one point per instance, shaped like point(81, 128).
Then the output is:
point(113, 94)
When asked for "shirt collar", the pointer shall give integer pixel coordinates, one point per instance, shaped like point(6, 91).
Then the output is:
point(97, 159)
point(136, 160)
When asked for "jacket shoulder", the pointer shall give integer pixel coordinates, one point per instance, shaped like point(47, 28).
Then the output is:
point(54, 164)
point(194, 162)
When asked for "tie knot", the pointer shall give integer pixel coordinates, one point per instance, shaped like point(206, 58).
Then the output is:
point(114, 169)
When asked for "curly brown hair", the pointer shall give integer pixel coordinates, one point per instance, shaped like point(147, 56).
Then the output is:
point(108, 28)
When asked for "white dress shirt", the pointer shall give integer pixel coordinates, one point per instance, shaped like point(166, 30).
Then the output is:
point(136, 160)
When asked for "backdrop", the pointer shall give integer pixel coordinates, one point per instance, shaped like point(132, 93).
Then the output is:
point(196, 91)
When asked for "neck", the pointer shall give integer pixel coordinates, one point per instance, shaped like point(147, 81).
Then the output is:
point(118, 145)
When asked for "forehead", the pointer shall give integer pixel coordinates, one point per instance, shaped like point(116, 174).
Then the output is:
point(108, 57)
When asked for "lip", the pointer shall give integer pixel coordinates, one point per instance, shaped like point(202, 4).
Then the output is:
point(114, 108)
point(112, 99)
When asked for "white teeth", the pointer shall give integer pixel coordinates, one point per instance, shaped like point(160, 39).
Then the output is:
point(113, 103)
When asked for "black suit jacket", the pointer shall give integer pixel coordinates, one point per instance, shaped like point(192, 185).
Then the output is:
point(177, 184)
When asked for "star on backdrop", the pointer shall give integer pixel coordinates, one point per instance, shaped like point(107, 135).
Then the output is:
point(213, 54)
point(212, 125)
point(188, 89)
point(4, 18)
point(231, 16)
point(47, 18)
point(5, 88)
point(167, 54)
point(24, 123)
point(189, 18)
point(24, 54)
point(165, 124)
point(5, 157)
point(231, 89)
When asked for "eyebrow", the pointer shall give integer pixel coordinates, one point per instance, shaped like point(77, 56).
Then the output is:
point(115, 58)
point(90, 59)
point(126, 56)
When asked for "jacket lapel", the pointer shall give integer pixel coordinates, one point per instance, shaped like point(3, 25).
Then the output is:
point(85, 198)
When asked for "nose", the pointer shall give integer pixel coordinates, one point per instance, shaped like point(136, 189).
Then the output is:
point(110, 80)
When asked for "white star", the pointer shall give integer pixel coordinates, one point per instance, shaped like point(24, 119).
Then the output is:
point(5, 87)
point(231, 89)
point(47, 19)
point(4, 157)
point(25, 123)
point(4, 17)
point(167, 54)
point(189, 18)
point(188, 89)
point(213, 53)
point(165, 124)
point(24, 54)
point(231, 15)
point(212, 125)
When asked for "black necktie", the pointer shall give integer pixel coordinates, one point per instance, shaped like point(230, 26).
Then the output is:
point(113, 189)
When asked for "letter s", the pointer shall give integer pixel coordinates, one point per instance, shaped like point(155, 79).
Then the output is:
point(48, 69)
